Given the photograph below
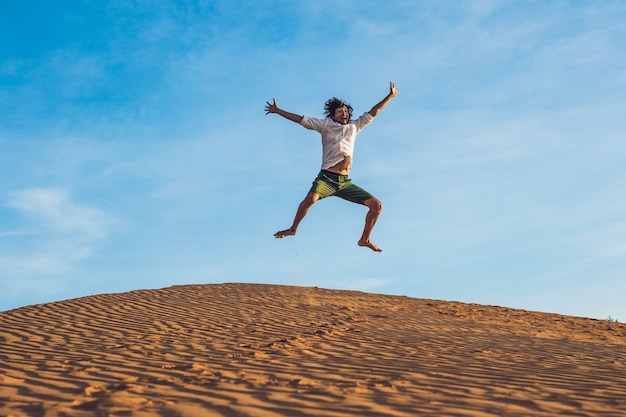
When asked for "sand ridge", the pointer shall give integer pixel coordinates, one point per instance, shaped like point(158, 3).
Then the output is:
point(271, 350)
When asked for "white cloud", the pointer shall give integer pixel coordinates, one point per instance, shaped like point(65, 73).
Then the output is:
point(56, 234)
point(54, 209)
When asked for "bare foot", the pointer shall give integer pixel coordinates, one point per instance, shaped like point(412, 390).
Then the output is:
point(370, 245)
point(283, 233)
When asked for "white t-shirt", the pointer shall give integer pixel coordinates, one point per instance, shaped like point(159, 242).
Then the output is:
point(337, 139)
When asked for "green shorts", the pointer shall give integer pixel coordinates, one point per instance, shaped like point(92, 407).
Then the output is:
point(330, 184)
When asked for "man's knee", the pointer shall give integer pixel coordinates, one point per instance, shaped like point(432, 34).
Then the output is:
point(310, 199)
point(374, 204)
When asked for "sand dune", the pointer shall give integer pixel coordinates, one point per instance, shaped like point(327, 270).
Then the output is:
point(267, 350)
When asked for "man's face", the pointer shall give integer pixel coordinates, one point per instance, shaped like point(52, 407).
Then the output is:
point(341, 115)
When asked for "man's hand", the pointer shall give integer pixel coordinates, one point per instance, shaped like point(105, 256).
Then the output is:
point(393, 91)
point(271, 107)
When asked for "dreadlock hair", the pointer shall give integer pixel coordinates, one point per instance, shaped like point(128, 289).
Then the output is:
point(333, 104)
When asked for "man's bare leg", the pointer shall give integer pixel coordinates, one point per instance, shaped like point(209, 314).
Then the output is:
point(303, 209)
point(375, 207)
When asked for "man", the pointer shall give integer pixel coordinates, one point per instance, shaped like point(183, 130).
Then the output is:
point(338, 132)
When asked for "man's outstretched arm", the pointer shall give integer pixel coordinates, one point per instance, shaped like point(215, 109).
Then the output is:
point(273, 108)
point(393, 91)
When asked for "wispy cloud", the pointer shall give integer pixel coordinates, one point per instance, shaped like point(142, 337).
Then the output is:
point(55, 209)
point(56, 232)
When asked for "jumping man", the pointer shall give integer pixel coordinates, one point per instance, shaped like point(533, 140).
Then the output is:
point(339, 133)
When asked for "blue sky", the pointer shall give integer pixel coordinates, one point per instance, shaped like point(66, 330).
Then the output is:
point(135, 152)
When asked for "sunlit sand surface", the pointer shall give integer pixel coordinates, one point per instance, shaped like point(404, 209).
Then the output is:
point(268, 350)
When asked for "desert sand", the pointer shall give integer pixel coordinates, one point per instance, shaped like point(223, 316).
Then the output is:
point(270, 350)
